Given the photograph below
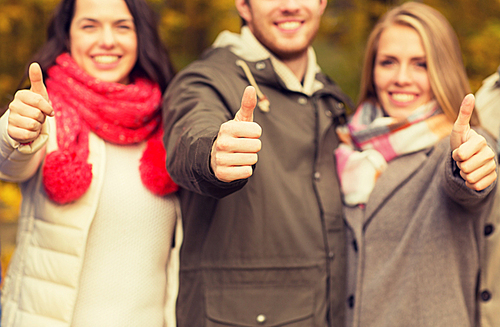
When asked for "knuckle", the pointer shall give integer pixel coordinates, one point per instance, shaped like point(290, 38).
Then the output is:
point(458, 155)
point(464, 167)
point(219, 161)
point(39, 101)
point(482, 141)
point(492, 165)
point(27, 135)
point(10, 131)
point(225, 127)
point(222, 175)
point(471, 180)
point(34, 125)
point(490, 155)
point(14, 106)
point(20, 94)
point(222, 144)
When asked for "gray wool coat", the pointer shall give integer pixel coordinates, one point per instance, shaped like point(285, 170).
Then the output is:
point(414, 249)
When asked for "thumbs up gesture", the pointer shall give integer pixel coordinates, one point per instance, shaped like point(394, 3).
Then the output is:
point(235, 149)
point(474, 158)
point(29, 109)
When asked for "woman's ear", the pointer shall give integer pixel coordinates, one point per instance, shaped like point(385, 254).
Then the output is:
point(322, 4)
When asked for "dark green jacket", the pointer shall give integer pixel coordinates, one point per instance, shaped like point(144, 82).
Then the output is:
point(268, 250)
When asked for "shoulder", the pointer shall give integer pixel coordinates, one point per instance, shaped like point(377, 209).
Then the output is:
point(216, 69)
point(488, 104)
point(331, 87)
point(212, 62)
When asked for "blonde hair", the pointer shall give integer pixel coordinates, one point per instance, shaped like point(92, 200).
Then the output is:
point(447, 76)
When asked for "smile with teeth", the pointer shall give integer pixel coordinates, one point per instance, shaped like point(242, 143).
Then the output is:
point(289, 25)
point(403, 97)
point(106, 59)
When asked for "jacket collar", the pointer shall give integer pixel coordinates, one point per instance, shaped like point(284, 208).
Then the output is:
point(247, 47)
point(400, 171)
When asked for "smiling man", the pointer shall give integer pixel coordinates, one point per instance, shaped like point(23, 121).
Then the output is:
point(261, 206)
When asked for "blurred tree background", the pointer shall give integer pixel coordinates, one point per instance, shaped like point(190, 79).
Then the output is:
point(190, 26)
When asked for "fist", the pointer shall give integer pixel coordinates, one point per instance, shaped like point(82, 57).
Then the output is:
point(234, 151)
point(29, 109)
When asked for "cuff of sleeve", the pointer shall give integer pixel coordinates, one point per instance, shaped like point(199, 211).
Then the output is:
point(37, 144)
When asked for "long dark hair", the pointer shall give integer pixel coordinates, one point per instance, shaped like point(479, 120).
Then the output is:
point(153, 60)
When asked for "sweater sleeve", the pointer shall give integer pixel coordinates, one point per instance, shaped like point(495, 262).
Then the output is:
point(196, 104)
point(20, 162)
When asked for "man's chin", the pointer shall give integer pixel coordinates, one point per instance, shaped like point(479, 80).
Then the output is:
point(289, 54)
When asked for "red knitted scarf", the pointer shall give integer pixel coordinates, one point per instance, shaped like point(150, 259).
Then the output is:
point(120, 114)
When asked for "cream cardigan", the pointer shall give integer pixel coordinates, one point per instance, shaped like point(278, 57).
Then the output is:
point(43, 278)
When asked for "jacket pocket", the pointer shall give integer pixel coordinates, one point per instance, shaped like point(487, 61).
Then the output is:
point(270, 306)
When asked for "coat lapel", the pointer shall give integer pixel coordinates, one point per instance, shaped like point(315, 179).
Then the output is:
point(398, 172)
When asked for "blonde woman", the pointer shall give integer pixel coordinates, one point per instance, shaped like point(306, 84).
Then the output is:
point(417, 180)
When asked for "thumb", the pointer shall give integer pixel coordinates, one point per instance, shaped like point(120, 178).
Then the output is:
point(461, 127)
point(248, 103)
point(36, 80)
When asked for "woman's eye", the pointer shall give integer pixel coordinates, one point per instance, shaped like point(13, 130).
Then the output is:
point(386, 62)
point(422, 64)
point(125, 27)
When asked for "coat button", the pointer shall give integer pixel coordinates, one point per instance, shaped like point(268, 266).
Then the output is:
point(261, 319)
point(328, 113)
point(317, 175)
point(489, 229)
point(350, 301)
point(355, 245)
point(302, 100)
point(331, 254)
point(340, 105)
point(485, 295)
point(260, 65)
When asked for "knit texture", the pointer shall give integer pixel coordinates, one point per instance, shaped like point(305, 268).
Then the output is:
point(120, 114)
point(370, 140)
point(124, 279)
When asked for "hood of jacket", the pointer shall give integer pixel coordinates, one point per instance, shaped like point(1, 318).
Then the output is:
point(247, 47)
point(257, 62)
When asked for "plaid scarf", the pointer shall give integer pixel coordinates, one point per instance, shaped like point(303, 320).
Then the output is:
point(120, 114)
point(370, 140)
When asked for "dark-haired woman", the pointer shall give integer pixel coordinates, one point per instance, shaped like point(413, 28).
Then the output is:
point(99, 209)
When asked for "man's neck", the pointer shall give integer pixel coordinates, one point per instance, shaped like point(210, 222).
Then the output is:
point(297, 65)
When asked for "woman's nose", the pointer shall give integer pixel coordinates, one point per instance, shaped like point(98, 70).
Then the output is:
point(403, 75)
point(107, 38)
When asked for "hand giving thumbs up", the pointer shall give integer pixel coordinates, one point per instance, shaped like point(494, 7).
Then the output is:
point(474, 157)
point(29, 108)
point(235, 149)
